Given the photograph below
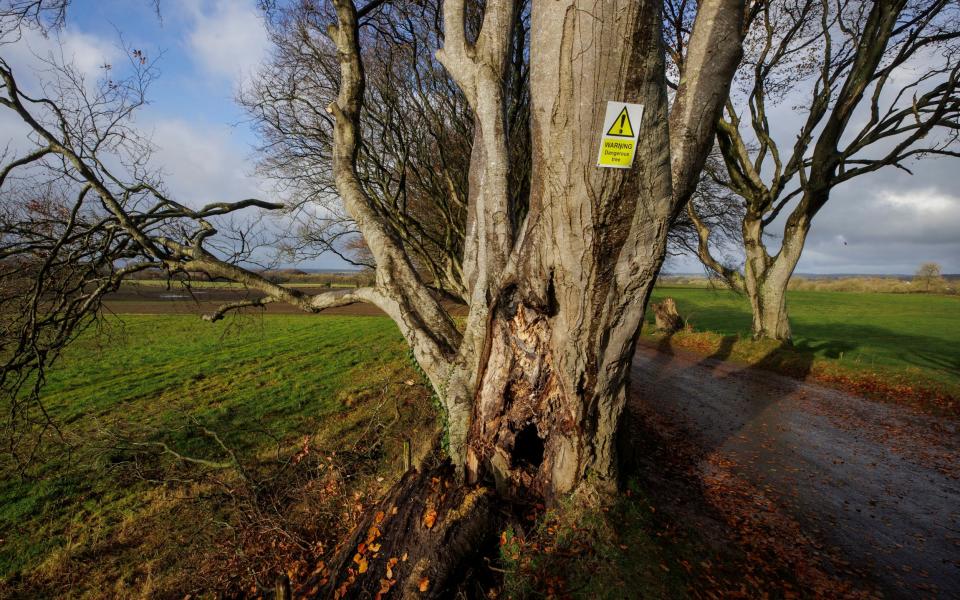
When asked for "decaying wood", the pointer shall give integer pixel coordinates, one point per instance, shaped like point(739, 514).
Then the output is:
point(536, 388)
point(428, 530)
point(555, 294)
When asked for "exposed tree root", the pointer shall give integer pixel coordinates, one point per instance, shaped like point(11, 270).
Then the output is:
point(418, 543)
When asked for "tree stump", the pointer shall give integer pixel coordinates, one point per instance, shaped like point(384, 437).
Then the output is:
point(665, 316)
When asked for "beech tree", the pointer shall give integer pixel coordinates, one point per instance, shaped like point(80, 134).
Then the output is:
point(875, 84)
point(534, 382)
point(414, 154)
point(417, 133)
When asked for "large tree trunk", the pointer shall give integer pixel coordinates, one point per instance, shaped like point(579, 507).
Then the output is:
point(565, 318)
point(561, 329)
point(768, 303)
point(536, 389)
point(766, 278)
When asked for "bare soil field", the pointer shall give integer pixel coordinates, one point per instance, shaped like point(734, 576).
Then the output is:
point(178, 300)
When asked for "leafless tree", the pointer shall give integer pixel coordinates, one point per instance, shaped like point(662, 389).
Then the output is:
point(710, 226)
point(414, 155)
point(534, 382)
point(418, 129)
point(875, 85)
point(534, 385)
point(80, 209)
point(928, 274)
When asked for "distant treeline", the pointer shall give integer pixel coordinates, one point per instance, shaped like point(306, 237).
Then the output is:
point(340, 279)
point(891, 284)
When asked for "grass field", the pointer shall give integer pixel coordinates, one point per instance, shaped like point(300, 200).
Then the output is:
point(110, 518)
point(909, 337)
point(109, 513)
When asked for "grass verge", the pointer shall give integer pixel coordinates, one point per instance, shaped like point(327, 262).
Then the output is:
point(898, 348)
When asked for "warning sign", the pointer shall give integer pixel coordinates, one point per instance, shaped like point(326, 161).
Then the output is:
point(618, 144)
point(621, 126)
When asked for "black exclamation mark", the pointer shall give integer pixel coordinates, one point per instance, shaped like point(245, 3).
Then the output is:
point(623, 119)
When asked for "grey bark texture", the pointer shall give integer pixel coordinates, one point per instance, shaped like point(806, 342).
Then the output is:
point(556, 300)
point(535, 390)
point(534, 381)
point(556, 292)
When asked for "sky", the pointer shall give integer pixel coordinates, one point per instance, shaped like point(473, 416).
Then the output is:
point(888, 222)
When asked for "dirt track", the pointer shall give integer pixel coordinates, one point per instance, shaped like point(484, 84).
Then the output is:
point(821, 472)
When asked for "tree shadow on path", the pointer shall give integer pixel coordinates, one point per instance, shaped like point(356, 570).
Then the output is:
point(719, 398)
point(682, 410)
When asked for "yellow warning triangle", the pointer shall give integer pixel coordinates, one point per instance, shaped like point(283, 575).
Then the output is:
point(621, 126)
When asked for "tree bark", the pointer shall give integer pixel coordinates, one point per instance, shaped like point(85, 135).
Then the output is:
point(766, 278)
point(537, 387)
point(418, 543)
point(768, 303)
point(567, 310)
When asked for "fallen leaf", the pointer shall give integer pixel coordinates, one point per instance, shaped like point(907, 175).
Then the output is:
point(424, 584)
point(430, 518)
point(362, 565)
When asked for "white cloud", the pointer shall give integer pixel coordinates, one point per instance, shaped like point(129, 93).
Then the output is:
point(922, 200)
point(31, 57)
point(887, 222)
point(89, 53)
point(204, 163)
point(227, 37)
point(86, 52)
point(891, 222)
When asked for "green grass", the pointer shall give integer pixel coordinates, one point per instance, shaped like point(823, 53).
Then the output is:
point(82, 521)
point(259, 383)
point(899, 333)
